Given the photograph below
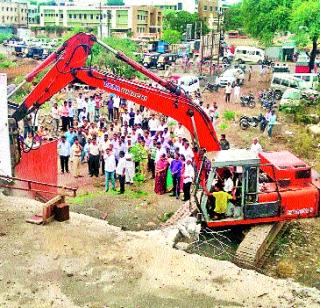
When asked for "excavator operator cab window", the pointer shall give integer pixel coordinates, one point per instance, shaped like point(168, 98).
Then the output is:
point(251, 184)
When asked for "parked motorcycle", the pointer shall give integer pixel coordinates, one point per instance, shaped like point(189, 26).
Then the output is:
point(267, 62)
point(246, 121)
point(211, 87)
point(247, 101)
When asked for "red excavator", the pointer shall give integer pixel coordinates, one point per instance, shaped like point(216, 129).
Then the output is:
point(269, 189)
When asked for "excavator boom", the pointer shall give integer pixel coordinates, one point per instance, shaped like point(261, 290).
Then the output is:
point(68, 65)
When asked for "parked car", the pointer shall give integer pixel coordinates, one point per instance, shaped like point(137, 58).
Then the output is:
point(151, 59)
point(231, 76)
point(310, 81)
point(293, 97)
point(189, 84)
point(166, 59)
point(244, 54)
point(36, 53)
point(281, 82)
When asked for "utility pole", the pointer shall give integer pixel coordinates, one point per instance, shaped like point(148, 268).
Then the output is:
point(211, 50)
point(202, 47)
point(100, 7)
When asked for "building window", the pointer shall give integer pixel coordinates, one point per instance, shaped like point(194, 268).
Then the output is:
point(211, 8)
point(91, 16)
point(74, 16)
point(80, 16)
point(205, 8)
point(61, 15)
point(85, 16)
point(70, 16)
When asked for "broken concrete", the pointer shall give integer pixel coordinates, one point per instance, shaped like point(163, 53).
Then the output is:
point(85, 262)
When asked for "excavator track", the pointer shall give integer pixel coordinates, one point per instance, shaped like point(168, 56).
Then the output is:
point(258, 244)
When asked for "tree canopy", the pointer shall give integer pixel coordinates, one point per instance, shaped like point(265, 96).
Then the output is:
point(233, 18)
point(178, 21)
point(263, 19)
point(171, 36)
point(104, 59)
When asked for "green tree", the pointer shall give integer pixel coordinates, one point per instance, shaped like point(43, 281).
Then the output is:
point(262, 19)
point(233, 17)
point(104, 59)
point(178, 20)
point(171, 36)
point(115, 2)
point(305, 22)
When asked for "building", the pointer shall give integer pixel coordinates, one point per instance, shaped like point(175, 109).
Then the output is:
point(33, 15)
point(190, 6)
point(13, 13)
point(210, 12)
point(133, 20)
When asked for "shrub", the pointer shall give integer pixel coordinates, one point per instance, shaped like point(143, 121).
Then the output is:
point(229, 115)
point(223, 126)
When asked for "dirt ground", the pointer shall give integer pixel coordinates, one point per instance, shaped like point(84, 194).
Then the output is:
point(87, 263)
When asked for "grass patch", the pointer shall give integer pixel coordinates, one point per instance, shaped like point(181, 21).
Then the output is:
point(229, 115)
point(87, 197)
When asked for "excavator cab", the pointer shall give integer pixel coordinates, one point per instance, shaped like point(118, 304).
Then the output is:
point(245, 205)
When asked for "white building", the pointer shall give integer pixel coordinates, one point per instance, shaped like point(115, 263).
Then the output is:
point(180, 5)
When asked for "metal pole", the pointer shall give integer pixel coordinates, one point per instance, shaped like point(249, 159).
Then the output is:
point(16, 89)
point(211, 51)
point(202, 47)
point(219, 38)
point(100, 20)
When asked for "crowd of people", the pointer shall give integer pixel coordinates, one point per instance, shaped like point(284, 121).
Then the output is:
point(120, 140)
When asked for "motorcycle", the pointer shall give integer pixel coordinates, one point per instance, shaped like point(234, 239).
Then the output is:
point(211, 87)
point(267, 62)
point(246, 121)
point(247, 101)
point(267, 103)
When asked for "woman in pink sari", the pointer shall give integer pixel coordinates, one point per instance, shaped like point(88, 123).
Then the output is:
point(161, 173)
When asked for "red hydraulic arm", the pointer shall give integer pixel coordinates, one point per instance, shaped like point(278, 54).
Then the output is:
point(69, 65)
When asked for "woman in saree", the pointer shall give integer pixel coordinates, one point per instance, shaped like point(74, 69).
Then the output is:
point(169, 179)
point(161, 173)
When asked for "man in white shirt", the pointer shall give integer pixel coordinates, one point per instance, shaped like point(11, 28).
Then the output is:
point(94, 158)
point(110, 167)
point(160, 150)
point(186, 151)
point(80, 104)
point(104, 144)
point(121, 172)
point(116, 105)
point(236, 93)
point(83, 115)
point(153, 125)
point(179, 131)
point(256, 146)
point(228, 91)
point(188, 177)
point(64, 151)
point(55, 117)
point(138, 118)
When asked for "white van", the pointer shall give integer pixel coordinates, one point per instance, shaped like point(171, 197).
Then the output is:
point(281, 82)
point(244, 54)
point(189, 84)
point(311, 81)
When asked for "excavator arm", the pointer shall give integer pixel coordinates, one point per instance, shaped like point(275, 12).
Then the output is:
point(69, 65)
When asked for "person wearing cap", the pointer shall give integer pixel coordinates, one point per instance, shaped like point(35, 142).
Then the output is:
point(64, 151)
point(188, 178)
point(94, 157)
